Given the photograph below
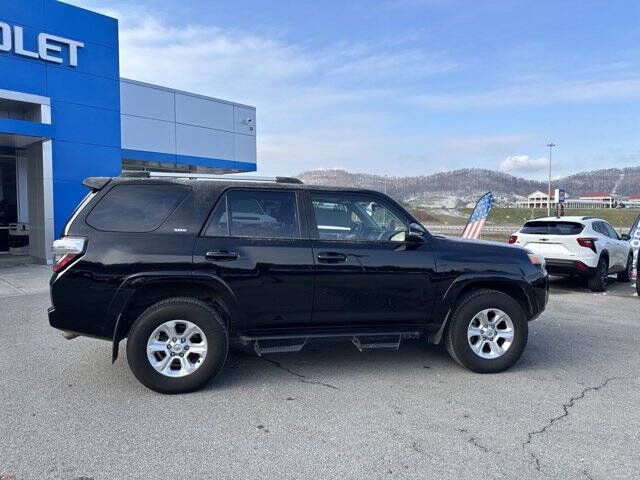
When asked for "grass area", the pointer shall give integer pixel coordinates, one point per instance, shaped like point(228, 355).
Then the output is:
point(617, 217)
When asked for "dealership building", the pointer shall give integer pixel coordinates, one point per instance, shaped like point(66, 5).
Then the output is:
point(66, 114)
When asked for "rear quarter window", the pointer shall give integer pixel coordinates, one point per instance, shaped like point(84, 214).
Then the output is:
point(136, 208)
point(552, 228)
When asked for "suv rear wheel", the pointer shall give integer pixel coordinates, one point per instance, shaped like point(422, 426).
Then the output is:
point(625, 276)
point(598, 281)
point(177, 345)
point(487, 331)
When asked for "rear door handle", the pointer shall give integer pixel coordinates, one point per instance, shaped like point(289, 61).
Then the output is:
point(222, 255)
point(332, 257)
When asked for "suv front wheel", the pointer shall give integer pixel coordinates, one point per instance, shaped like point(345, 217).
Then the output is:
point(177, 345)
point(487, 331)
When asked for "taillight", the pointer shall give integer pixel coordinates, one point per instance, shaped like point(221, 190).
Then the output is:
point(512, 239)
point(588, 243)
point(537, 260)
point(66, 250)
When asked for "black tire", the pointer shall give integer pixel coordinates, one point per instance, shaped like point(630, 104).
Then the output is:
point(598, 281)
point(199, 313)
point(457, 343)
point(625, 277)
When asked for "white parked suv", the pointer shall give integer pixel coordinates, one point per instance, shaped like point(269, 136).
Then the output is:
point(586, 246)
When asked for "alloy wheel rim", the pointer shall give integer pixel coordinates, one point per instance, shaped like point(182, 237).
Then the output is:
point(177, 348)
point(490, 333)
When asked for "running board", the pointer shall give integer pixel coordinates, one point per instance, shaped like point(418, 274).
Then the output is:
point(377, 342)
point(363, 341)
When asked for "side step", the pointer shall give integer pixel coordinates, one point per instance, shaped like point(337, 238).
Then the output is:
point(279, 346)
point(377, 342)
point(363, 341)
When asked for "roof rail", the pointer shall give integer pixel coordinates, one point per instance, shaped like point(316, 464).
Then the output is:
point(208, 176)
point(135, 174)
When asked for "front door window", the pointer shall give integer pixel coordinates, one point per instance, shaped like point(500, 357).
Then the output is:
point(352, 217)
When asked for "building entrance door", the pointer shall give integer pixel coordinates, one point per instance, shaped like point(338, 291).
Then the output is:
point(8, 198)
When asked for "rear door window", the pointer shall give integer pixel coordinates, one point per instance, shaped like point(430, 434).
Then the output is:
point(259, 214)
point(552, 228)
point(136, 208)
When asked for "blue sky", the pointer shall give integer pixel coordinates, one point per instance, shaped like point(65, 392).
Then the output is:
point(402, 87)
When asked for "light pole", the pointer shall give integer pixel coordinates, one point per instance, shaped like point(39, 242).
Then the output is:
point(550, 145)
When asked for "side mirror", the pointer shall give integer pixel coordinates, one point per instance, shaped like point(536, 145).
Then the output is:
point(416, 233)
point(626, 237)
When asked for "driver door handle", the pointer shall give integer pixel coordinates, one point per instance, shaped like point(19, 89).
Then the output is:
point(332, 257)
point(222, 255)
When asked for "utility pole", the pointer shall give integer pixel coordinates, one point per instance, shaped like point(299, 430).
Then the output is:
point(550, 145)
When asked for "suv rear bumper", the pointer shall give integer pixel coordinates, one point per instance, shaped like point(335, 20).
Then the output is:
point(557, 266)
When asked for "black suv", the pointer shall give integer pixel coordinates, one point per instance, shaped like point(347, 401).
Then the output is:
point(185, 268)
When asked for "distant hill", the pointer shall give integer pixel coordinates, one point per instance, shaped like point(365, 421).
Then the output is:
point(460, 187)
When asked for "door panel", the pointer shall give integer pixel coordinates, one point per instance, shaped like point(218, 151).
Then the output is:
point(254, 243)
point(272, 279)
point(366, 274)
point(373, 283)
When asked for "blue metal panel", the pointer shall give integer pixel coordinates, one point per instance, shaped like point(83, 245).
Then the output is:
point(25, 12)
point(246, 166)
point(85, 100)
point(66, 194)
point(75, 87)
point(80, 24)
point(187, 160)
point(82, 161)
point(26, 76)
point(21, 127)
point(93, 58)
point(83, 124)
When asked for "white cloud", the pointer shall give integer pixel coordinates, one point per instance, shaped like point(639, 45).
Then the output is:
point(523, 164)
point(539, 93)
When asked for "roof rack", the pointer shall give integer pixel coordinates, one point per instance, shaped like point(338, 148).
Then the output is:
point(208, 176)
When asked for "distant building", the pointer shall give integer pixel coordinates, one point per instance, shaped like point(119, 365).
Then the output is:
point(633, 202)
point(597, 200)
point(539, 199)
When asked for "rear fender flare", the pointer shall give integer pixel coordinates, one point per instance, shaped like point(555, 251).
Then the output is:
point(116, 325)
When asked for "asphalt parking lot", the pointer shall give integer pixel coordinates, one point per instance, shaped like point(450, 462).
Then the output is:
point(569, 408)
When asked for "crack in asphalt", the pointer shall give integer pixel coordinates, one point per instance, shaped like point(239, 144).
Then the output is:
point(537, 460)
point(299, 376)
point(474, 441)
point(564, 414)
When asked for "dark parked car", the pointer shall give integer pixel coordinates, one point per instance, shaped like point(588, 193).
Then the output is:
point(184, 268)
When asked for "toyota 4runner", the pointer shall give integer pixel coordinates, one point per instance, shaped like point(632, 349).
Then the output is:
point(184, 268)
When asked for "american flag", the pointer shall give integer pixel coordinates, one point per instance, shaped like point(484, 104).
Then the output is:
point(478, 217)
